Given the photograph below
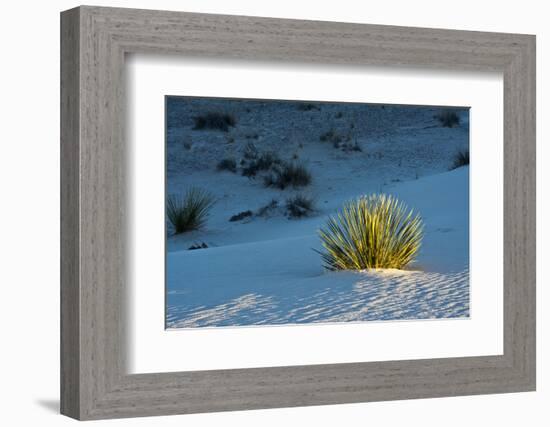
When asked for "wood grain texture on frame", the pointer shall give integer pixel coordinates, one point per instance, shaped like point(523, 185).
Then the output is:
point(94, 380)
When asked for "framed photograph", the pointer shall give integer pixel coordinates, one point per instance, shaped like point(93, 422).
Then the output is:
point(294, 212)
point(262, 213)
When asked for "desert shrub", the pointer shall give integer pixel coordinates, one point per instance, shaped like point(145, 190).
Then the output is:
point(268, 208)
point(241, 215)
point(288, 174)
point(300, 205)
point(250, 151)
point(375, 231)
point(461, 158)
point(196, 246)
point(190, 211)
point(330, 136)
point(267, 160)
point(228, 164)
point(262, 162)
point(448, 118)
point(215, 120)
point(349, 146)
point(271, 179)
point(307, 106)
point(342, 141)
point(249, 170)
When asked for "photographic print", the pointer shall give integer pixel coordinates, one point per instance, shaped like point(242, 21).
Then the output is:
point(284, 212)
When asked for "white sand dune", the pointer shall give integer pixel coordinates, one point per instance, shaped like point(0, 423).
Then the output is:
point(281, 280)
point(335, 297)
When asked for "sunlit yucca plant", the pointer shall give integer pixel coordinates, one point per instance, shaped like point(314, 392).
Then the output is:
point(190, 211)
point(375, 231)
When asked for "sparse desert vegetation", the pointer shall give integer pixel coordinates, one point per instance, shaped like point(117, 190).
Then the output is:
point(288, 174)
point(300, 205)
point(343, 141)
point(241, 215)
point(227, 164)
point(268, 209)
point(307, 106)
point(350, 146)
point(448, 118)
point(259, 162)
point(215, 120)
point(196, 246)
point(250, 151)
point(331, 136)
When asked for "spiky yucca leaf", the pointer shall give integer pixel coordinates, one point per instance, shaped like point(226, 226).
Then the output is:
point(375, 231)
point(190, 211)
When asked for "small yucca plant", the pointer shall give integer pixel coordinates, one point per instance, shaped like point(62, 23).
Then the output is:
point(300, 206)
point(375, 231)
point(461, 158)
point(190, 211)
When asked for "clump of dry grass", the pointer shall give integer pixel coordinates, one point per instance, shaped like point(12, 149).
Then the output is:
point(227, 164)
point(289, 174)
point(215, 120)
point(300, 205)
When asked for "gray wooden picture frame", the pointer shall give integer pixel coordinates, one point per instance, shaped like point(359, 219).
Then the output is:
point(94, 381)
